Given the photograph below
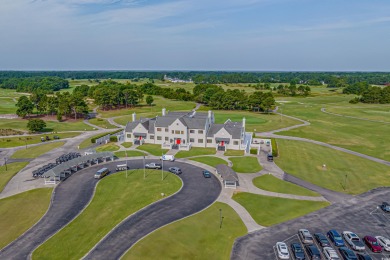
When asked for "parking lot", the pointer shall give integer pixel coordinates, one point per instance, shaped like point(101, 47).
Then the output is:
point(360, 215)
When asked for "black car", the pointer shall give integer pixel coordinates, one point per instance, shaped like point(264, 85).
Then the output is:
point(321, 239)
point(313, 252)
point(297, 251)
point(347, 254)
point(364, 257)
point(385, 207)
point(56, 137)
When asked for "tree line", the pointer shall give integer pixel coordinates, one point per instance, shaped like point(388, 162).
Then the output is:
point(31, 84)
point(332, 79)
point(369, 94)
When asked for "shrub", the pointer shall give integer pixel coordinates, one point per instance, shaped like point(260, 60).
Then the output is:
point(253, 151)
point(355, 100)
point(275, 151)
point(113, 138)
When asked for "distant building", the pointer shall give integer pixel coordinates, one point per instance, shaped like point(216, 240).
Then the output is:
point(183, 130)
point(176, 80)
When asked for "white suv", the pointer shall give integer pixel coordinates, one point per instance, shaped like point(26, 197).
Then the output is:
point(330, 254)
point(384, 242)
point(282, 250)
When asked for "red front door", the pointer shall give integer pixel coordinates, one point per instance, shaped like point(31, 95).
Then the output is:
point(222, 143)
point(140, 138)
point(178, 141)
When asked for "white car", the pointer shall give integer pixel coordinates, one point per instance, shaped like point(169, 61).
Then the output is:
point(330, 253)
point(282, 249)
point(354, 241)
point(384, 242)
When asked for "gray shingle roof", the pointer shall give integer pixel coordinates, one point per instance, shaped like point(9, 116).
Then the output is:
point(131, 125)
point(227, 173)
point(233, 128)
point(214, 129)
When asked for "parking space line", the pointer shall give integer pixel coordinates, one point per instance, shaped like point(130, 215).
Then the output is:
point(276, 255)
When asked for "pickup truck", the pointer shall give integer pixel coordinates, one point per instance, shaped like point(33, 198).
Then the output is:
point(153, 166)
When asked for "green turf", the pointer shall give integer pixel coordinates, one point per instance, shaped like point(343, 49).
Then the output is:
point(364, 111)
point(234, 153)
point(195, 151)
point(245, 164)
point(210, 160)
point(103, 123)
point(6, 175)
point(127, 144)
point(110, 147)
point(354, 134)
point(36, 151)
point(116, 198)
point(10, 93)
point(154, 149)
point(268, 211)
point(196, 237)
point(260, 122)
point(20, 212)
point(344, 172)
point(158, 104)
point(270, 183)
point(130, 153)
point(7, 106)
point(31, 139)
point(51, 126)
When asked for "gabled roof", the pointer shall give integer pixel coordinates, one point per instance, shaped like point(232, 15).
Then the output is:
point(227, 173)
point(214, 129)
point(233, 128)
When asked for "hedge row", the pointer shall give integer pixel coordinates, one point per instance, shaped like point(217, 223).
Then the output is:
point(115, 139)
point(275, 151)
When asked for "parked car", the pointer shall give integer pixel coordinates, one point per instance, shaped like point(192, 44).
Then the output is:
point(175, 170)
point(384, 242)
point(168, 157)
point(206, 174)
point(297, 251)
point(385, 207)
point(56, 137)
point(372, 243)
point(335, 237)
point(321, 239)
point(101, 173)
point(43, 139)
point(330, 253)
point(347, 254)
point(364, 257)
point(313, 252)
point(270, 157)
point(153, 166)
point(47, 138)
point(354, 241)
point(305, 236)
point(282, 250)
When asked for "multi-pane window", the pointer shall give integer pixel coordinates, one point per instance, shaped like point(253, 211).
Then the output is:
point(159, 138)
point(200, 131)
point(209, 141)
point(235, 142)
point(192, 131)
point(200, 141)
point(158, 129)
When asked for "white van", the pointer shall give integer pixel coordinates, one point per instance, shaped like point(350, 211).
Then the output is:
point(167, 157)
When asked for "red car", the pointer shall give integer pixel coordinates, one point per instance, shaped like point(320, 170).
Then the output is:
point(373, 244)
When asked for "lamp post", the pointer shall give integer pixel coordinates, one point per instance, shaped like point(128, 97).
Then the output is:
point(5, 163)
point(220, 218)
point(126, 163)
point(162, 167)
point(144, 168)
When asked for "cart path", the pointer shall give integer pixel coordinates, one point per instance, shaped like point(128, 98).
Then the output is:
point(71, 196)
point(323, 109)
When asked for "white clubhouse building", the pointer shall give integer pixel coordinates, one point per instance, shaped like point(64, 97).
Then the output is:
point(183, 130)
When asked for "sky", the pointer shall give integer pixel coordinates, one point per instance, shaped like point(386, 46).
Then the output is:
point(243, 35)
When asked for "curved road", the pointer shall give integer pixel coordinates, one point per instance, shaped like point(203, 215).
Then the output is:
point(72, 195)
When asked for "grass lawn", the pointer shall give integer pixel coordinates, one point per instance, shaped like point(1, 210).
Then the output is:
point(32, 139)
point(196, 237)
point(130, 153)
point(270, 183)
point(101, 122)
point(258, 121)
point(245, 164)
point(358, 135)
point(127, 144)
point(110, 147)
point(87, 142)
point(35, 151)
point(6, 175)
point(119, 197)
point(154, 149)
point(20, 212)
point(196, 151)
point(158, 104)
point(210, 160)
point(278, 210)
point(10, 93)
point(234, 153)
point(365, 111)
point(305, 160)
point(51, 126)
point(7, 106)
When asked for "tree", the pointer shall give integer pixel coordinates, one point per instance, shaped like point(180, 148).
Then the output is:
point(25, 106)
point(35, 125)
point(149, 100)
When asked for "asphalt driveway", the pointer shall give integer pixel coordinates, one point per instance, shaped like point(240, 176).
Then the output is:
point(72, 195)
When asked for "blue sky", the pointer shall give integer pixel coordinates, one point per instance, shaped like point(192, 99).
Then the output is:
point(257, 35)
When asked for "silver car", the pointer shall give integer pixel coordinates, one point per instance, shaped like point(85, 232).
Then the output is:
point(305, 236)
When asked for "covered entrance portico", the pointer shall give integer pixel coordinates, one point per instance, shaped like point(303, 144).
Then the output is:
point(221, 143)
point(139, 138)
